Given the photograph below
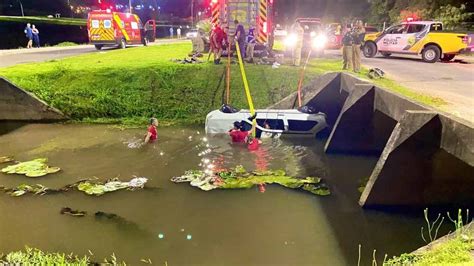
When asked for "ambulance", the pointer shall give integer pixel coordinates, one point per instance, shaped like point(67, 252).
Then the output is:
point(424, 38)
point(116, 29)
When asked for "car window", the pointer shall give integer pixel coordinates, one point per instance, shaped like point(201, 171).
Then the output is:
point(436, 27)
point(397, 29)
point(107, 24)
point(95, 24)
point(134, 25)
point(415, 28)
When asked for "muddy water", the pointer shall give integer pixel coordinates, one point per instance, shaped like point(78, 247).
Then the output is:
point(244, 227)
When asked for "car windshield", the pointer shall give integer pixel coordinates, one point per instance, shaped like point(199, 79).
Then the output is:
point(311, 27)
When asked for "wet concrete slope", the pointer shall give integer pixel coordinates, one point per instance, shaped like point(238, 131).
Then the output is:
point(19, 105)
point(425, 157)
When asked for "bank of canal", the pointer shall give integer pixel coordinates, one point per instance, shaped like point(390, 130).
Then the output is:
point(243, 227)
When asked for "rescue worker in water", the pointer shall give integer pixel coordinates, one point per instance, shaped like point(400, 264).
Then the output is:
point(152, 134)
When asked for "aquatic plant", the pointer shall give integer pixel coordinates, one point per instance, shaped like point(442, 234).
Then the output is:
point(98, 188)
point(239, 178)
point(33, 168)
point(22, 189)
point(6, 159)
point(88, 186)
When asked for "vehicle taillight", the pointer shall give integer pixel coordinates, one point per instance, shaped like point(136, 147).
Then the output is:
point(466, 39)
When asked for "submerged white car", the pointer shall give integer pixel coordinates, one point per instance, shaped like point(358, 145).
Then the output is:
point(269, 121)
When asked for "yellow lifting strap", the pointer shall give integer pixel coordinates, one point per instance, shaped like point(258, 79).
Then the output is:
point(246, 86)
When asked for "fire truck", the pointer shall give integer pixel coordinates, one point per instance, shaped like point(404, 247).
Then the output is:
point(109, 28)
point(256, 14)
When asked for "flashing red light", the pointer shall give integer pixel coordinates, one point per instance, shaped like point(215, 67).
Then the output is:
point(213, 2)
point(410, 19)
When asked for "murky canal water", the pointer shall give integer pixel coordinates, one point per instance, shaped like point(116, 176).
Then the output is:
point(240, 227)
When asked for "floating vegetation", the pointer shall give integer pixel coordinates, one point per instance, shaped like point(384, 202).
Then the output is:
point(71, 212)
point(23, 189)
point(6, 159)
point(98, 188)
point(239, 178)
point(34, 168)
point(88, 186)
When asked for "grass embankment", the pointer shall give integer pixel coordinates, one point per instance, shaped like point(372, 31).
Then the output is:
point(57, 21)
point(143, 81)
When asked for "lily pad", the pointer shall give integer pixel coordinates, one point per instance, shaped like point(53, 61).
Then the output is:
point(33, 168)
point(99, 189)
point(239, 178)
point(6, 159)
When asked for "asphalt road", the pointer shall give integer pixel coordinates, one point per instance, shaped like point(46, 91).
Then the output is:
point(453, 81)
point(20, 56)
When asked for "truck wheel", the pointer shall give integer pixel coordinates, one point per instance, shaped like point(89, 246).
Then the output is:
point(447, 57)
point(122, 44)
point(431, 54)
point(98, 46)
point(370, 49)
point(385, 54)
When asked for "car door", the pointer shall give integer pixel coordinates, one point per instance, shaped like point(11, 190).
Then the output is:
point(392, 39)
point(414, 33)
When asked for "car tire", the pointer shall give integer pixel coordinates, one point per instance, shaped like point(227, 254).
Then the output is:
point(385, 54)
point(447, 57)
point(370, 49)
point(431, 54)
point(122, 44)
point(98, 47)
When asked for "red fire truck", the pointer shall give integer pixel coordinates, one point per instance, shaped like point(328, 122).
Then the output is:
point(256, 14)
point(109, 28)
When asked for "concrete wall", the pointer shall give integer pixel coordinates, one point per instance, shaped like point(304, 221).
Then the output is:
point(17, 104)
point(425, 157)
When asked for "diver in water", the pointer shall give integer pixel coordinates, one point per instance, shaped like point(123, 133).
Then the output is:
point(152, 134)
point(238, 133)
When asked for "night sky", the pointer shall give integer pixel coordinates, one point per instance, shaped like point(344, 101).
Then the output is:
point(286, 9)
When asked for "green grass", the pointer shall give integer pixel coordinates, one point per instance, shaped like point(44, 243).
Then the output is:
point(46, 20)
point(66, 44)
point(456, 251)
point(140, 82)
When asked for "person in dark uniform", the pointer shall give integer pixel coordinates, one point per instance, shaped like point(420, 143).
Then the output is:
point(347, 50)
point(240, 37)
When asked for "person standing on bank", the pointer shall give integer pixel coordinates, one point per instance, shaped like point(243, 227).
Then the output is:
point(29, 35)
point(36, 38)
point(240, 37)
point(299, 44)
point(358, 34)
point(347, 49)
point(178, 32)
point(171, 32)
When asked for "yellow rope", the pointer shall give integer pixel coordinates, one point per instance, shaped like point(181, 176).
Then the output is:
point(246, 86)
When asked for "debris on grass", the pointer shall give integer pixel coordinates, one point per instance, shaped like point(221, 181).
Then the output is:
point(239, 178)
point(33, 168)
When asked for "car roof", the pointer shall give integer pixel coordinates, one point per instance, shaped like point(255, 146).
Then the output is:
point(421, 22)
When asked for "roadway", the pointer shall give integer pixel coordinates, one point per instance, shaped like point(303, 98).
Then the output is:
point(453, 82)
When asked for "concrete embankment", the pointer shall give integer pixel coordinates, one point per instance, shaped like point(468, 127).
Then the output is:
point(425, 157)
point(19, 105)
